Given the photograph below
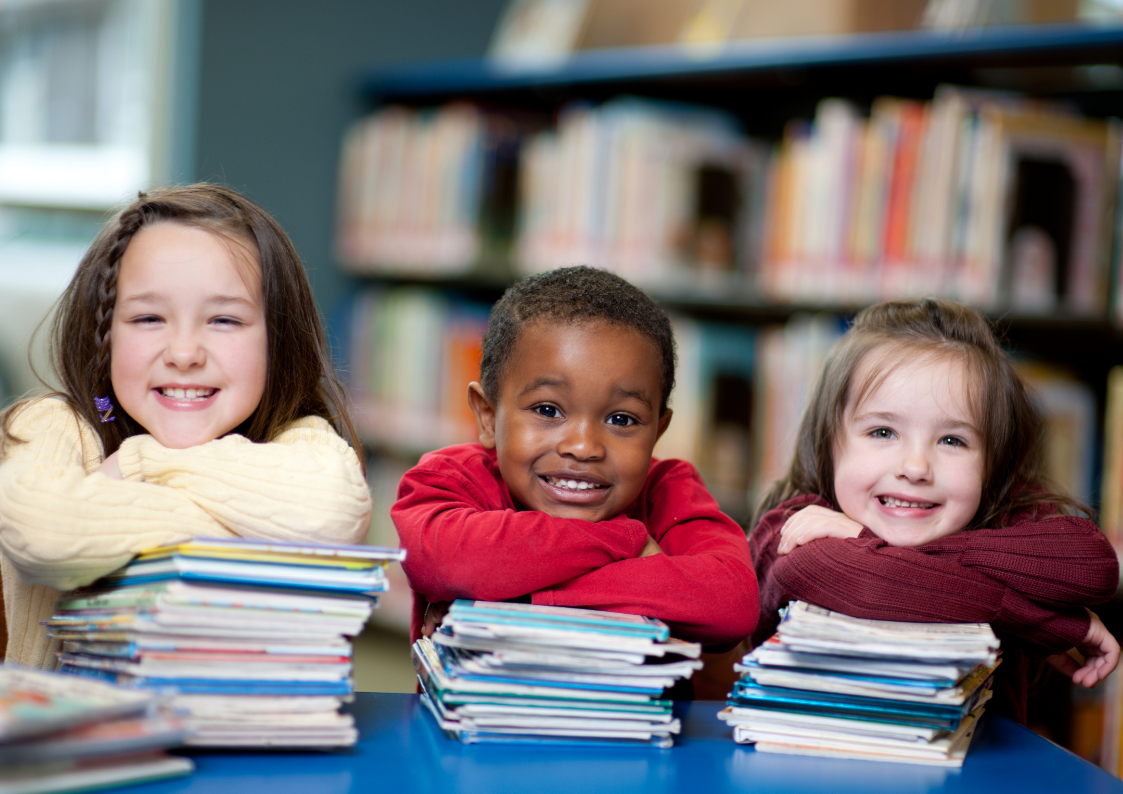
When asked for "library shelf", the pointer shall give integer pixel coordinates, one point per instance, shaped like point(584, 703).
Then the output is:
point(651, 68)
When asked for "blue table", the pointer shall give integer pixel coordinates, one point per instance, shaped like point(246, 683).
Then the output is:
point(402, 750)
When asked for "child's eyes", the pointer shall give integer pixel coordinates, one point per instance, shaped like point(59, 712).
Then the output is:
point(954, 441)
point(621, 420)
point(231, 321)
point(547, 411)
point(882, 432)
point(145, 319)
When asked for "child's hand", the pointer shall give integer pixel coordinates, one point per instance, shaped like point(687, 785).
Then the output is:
point(1101, 655)
point(434, 614)
point(650, 548)
point(813, 522)
point(111, 468)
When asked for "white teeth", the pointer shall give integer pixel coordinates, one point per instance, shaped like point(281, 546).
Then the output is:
point(889, 501)
point(572, 485)
point(187, 394)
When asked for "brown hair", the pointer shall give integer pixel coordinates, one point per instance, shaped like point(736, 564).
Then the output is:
point(299, 380)
point(1011, 428)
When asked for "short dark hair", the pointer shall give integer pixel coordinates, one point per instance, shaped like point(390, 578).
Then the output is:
point(574, 295)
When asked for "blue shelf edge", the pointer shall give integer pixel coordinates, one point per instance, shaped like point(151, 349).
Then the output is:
point(481, 75)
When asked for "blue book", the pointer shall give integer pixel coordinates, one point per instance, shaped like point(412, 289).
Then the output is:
point(558, 618)
point(751, 695)
point(207, 686)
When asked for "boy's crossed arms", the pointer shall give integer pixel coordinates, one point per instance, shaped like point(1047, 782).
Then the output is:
point(466, 540)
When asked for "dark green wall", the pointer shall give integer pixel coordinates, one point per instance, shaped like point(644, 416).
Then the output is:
point(275, 93)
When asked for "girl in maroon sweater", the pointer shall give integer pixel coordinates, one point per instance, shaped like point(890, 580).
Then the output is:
point(917, 493)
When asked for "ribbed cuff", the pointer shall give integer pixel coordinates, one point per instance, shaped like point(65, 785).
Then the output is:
point(1052, 631)
point(129, 458)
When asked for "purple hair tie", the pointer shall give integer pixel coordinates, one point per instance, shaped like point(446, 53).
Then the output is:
point(105, 407)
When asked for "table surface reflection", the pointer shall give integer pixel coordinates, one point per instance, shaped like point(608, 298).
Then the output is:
point(402, 749)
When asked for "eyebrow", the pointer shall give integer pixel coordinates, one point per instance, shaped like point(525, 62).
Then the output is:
point(213, 300)
point(636, 395)
point(544, 382)
point(889, 416)
point(540, 383)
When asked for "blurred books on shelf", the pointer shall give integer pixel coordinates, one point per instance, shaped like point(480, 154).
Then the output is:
point(252, 637)
point(61, 733)
point(1068, 407)
point(411, 355)
point(652, 191)
point(831, 685)
point(991, 200)
point(995, 200)
point(428, 192)
point(789, 360)
point(522, 674)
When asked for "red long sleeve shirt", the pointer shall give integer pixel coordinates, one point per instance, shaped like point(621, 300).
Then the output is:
point(1030, 580)
point(465, 538)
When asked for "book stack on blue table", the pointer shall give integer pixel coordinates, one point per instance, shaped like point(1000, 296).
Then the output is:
point(252, 636)
point(517, 673)
point(832, 685)
point(60, 733)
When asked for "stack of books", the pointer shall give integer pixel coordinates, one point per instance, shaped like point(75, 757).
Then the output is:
point(253, 636)
point(517, 673)
point(831, 685)
point(60, 733)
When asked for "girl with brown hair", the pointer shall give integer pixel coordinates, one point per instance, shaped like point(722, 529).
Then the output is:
point(196, 398)
point(917, 493)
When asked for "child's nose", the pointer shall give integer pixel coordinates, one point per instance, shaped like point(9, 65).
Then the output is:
point(914, 466)
point(184, 351)
point(582, 441)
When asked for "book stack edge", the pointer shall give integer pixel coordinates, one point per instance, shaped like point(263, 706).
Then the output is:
point(253, 637)
point(524, 674)
point(831, 685)
point(60, 733)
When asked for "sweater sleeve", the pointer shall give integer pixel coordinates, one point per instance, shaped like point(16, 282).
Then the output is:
point(866, 577)
point(1059, 560)
point(63, 528)
point(702, 585)
point(306, 484)
point(462, 544)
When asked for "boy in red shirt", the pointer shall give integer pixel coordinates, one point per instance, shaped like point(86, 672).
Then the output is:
point(561, 502)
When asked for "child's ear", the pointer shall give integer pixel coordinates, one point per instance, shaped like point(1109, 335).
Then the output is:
point(485, 414)
point(664, 421)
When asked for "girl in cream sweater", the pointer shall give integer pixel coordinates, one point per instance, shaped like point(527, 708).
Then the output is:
point(197, 399)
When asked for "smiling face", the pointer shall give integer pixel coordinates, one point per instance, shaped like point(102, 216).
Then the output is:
point(909, 458)
point(187, 341)
point(576, 418)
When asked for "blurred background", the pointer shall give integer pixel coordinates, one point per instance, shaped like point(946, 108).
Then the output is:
point(762, 169)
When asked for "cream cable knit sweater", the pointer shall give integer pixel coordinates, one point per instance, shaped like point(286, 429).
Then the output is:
point(63, 524)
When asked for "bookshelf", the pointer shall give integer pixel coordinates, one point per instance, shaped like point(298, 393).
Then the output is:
point(916, 58)
point(762, 86)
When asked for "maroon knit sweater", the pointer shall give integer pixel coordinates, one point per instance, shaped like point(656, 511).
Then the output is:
point(1029, 580)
